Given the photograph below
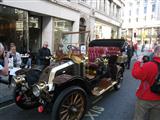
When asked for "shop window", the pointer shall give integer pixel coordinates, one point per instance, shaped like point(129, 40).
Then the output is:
point(153, 8)
point(35, 33)
point(14, 27)
point(17, 27)
point(34, 22)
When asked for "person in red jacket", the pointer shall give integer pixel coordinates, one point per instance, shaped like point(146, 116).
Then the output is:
point(146, 100)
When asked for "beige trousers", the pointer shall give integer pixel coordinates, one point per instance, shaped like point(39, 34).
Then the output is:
point(147, 110)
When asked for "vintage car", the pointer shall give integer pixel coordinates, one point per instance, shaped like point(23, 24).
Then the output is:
point(67, 84)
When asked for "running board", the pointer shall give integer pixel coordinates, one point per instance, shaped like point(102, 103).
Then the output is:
point(97, 91)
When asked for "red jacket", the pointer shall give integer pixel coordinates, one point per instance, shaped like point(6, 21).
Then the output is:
point(146, 73)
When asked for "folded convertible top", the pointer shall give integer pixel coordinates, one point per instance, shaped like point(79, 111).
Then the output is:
point(108, 43)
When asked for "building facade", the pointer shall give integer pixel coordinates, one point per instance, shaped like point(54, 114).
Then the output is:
point(29, 23)
point(142, 21)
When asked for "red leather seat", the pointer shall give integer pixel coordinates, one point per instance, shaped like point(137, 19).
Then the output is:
point(95, 52)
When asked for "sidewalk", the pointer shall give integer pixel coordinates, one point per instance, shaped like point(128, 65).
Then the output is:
point(6, 93)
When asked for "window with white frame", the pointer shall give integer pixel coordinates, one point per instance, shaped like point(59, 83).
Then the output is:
point(107, 7)
point(137, 11)
point(104, 6)
point(145, 1)
point(130, 13)
point(153, 7)
point(94, 4)
point(137, 19)
point(117, 11)
point(98, 4)
point(129, 20)
point(145, 9)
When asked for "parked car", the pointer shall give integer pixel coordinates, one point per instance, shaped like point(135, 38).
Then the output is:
point(66, 85)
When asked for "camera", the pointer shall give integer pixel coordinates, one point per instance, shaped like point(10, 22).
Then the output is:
point(145, 58)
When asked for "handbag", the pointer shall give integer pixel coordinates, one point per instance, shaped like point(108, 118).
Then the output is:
point(155, 87)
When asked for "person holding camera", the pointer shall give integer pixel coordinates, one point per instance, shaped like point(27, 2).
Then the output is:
point(44, 54)
point(147, 101)
point(3, 62)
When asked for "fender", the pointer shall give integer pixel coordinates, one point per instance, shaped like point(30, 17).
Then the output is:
point(76, 81)
point(53, 73)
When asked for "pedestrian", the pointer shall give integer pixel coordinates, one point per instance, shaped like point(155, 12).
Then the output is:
point(97, 37)
point(44, 54)
point(144, 46)
point(130, 52)
point(29, 60)
point(147, 101)
point(3, 61)
point(15, 57)
point(136, 49)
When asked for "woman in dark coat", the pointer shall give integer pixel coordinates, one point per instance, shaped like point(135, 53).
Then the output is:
point(130, 52)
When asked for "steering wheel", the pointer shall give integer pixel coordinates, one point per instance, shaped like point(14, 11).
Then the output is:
point(72, 47)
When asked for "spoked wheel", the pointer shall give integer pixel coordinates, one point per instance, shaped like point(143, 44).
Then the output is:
point(24, 100)
point(119, 78)
point(70, 104)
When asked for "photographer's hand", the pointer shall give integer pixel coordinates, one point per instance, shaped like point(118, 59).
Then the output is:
point(140, 58)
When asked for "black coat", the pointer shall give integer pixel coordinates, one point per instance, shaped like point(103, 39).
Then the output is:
point(42, 54)
point(130, 51)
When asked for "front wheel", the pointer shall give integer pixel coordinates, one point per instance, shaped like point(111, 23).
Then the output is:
point(24, 99)
point(70, 104)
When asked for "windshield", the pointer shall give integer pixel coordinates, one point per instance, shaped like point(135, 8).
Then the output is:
point(73, 43)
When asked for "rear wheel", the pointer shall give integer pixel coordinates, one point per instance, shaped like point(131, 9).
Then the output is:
point(119, 79)
point(70, 104)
